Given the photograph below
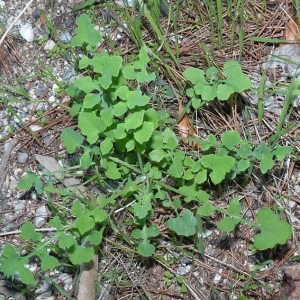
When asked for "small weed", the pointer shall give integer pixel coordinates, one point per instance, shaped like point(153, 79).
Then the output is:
point(119, 130)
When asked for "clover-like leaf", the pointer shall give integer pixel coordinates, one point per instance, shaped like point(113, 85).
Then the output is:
point(138, 69)
point(108, 66)
point(236, 80)
point(136, 98)
point(144, 247)
point(28, 232)
point(48, 262)
point(183, 225)
point(231, 139)
point(66, 241)
point(220, 165)
point(143, 134)
point(80, 254)
point(85, 33)
point(86, 84)
point(176, 169)
point(106, 146)
point(273, 230)
point(194, 75)
point(71, 139)
point(91, 125)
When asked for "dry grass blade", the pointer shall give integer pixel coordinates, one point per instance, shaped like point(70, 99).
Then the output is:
point(9, 56)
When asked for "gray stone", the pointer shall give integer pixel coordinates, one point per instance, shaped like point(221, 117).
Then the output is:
point(65, 37)
point(22, 158)
point(41, 216)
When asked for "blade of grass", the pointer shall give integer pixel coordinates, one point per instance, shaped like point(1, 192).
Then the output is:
point(159, 33)
point(220, 22)
point(260, 104)
point(288, 101)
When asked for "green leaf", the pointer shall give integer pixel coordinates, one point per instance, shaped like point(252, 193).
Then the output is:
point(85, 33)
point(144, 247)
point(27, 182)
point(236, 80)
point(95, 237)
point(112, 171)
point(176, 169)
point(86, 158)
point(134, 120)
point(84, 224)
point(29, 233)
point(90, 100)
point(107, 116)
point(80, 254)
point(71, 139)
point(170, 139)
point(55, 222)
point(273, 230)
point(10, 252)
point(235, 207)
point(106, 146)
point(206, 209)
point(219, 166)
point(231, 139)
point(86, 84)
point(151, 116)
point(138, 69)
point(144, 133)
point(194, 75)
point(107, 65)
point(136, 98)
point(66, 241)
point(201, 176)
point(228, 224)
point(48, 262)
point(119, 109)
point(157, 155)
point(142, 207)
point(91, 125)
point(76, 209)
point(282, 151)
point(244, 150)
point(184, 225)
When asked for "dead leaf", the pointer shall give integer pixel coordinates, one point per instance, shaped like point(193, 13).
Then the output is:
point(292, 32)
point(186, 130)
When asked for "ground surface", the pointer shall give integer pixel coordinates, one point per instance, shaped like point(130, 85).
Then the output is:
point(122, 275)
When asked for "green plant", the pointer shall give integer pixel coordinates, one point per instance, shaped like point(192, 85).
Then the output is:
point(122, 133)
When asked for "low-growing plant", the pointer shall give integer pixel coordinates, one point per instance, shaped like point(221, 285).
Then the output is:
point(122, 133)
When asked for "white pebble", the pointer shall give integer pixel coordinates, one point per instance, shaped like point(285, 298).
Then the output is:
point(51, 99)
point(41, 216)
point(26, 32)
point(2, 4)
point(49, 45)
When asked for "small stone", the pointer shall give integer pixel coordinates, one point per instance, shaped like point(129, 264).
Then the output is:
point(19, 207)
point(183, 270)
point(22, 158)
point(67, 281)
point(45, 286)
point(49, 45)
point(29, 10)
point(70, 73)
point(2, 4)
point(26, 32)
point(65, 37)
point(41, 216)
point(12, 183)
point(51, 99)
point(35, 128)
point(36, 14)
